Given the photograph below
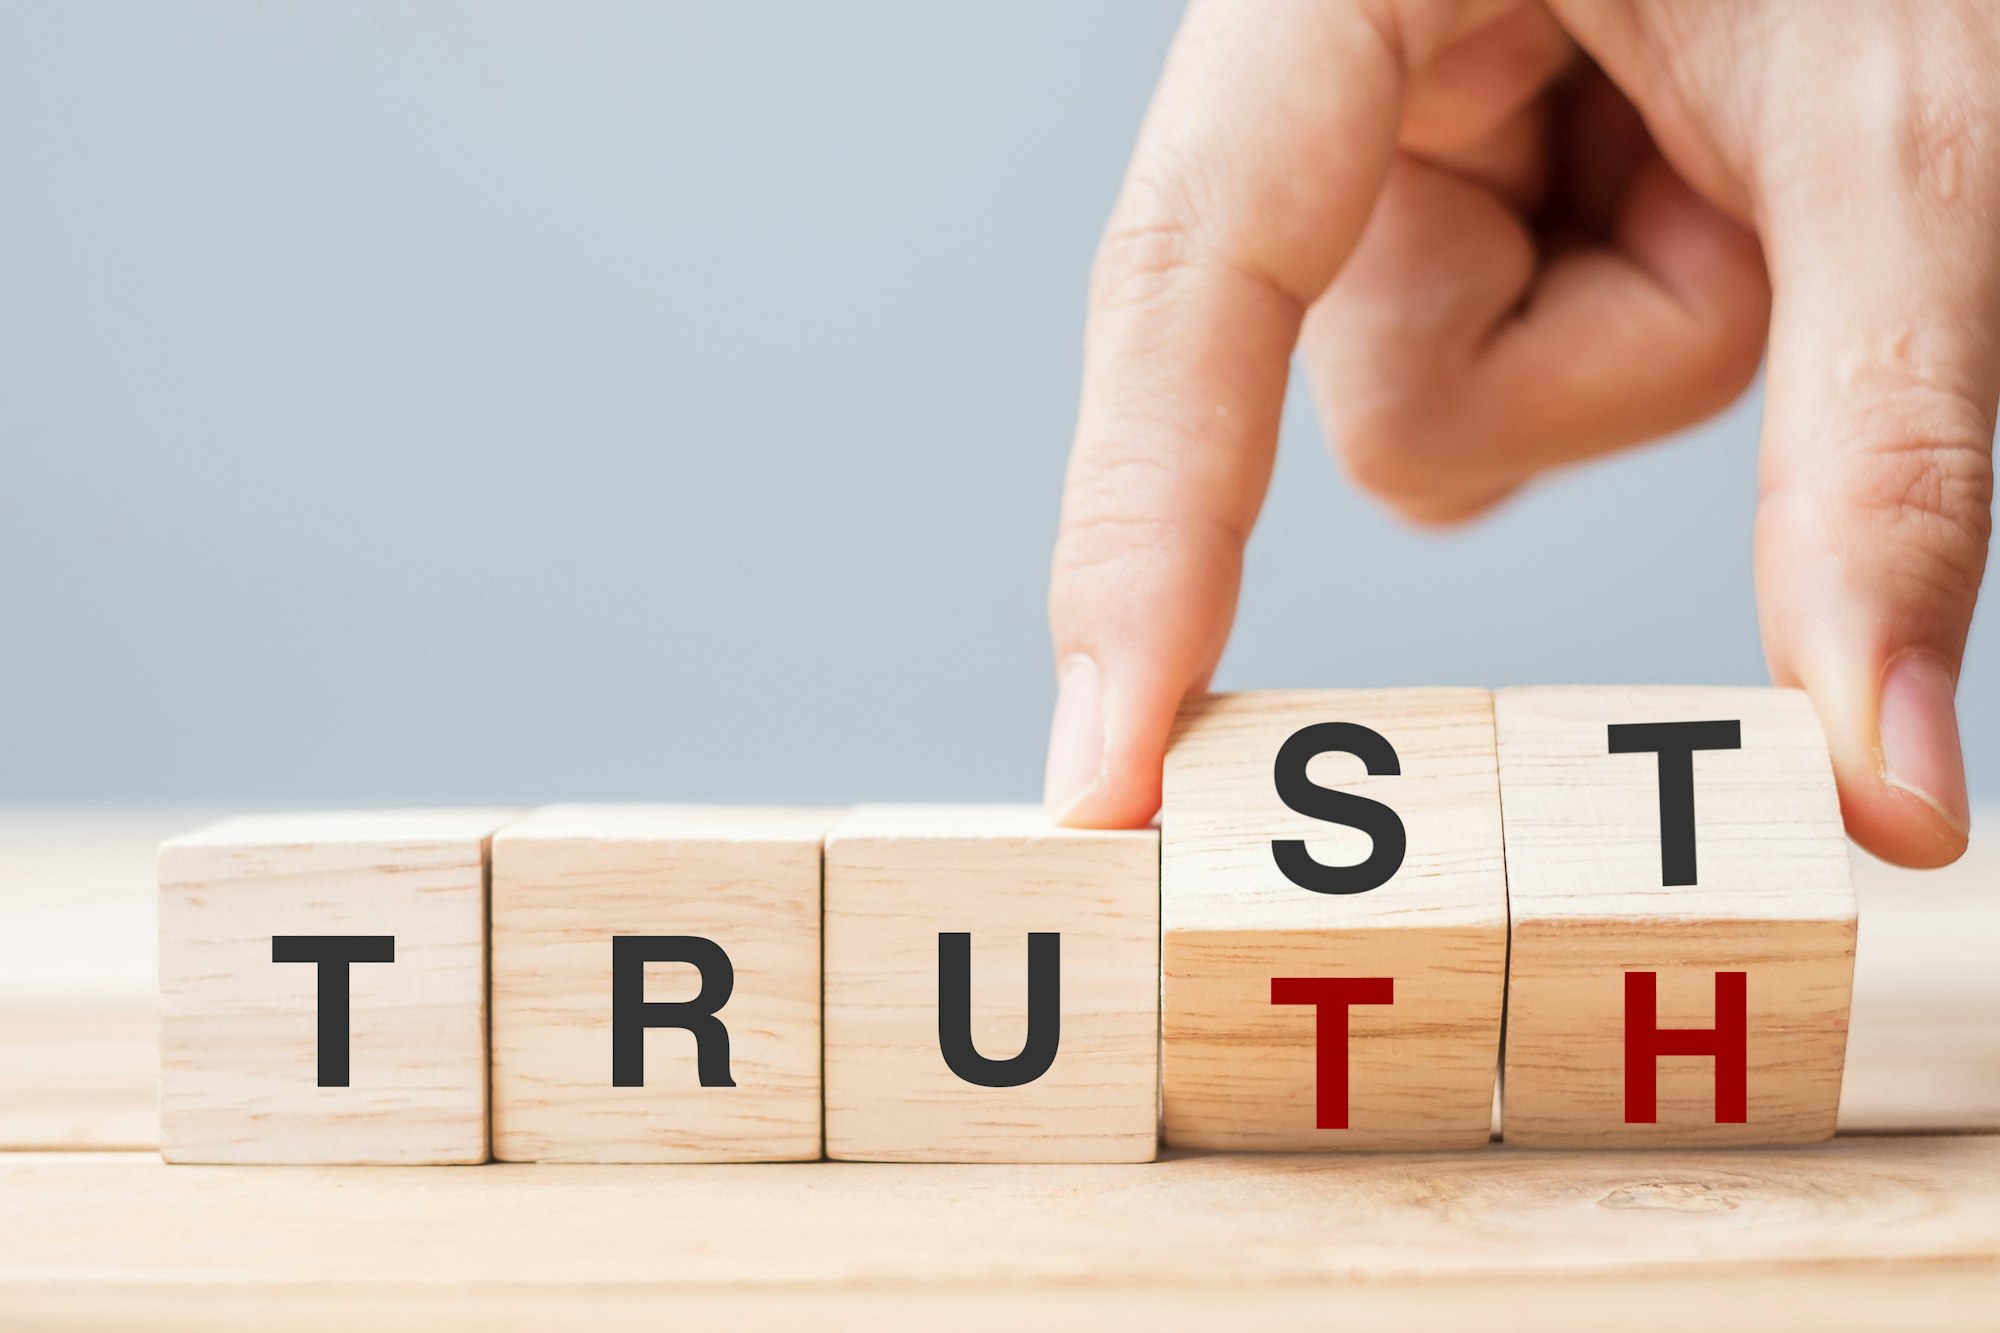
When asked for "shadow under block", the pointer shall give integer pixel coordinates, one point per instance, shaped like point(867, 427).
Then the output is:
point(703, 899)
point(1428, 946)
point(985, 940)
point(1591, 846)
point(246, 1042)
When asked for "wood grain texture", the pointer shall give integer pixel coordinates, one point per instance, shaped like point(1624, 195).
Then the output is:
point(1239, 1071)
point(1773, 900)
point(566, 879)
point(79, 983)
point(102, 1219)
point(1923, 1045)
point(897, 876)
point(1858, 1233)
point(1947, 1297)
point(238, 1033)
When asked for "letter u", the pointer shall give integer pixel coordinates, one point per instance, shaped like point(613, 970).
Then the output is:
point(1038, 1052)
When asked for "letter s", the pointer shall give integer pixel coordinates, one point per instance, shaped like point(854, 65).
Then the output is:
point(1377, 820)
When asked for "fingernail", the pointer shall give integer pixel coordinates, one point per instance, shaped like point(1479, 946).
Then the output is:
point(1920, 750)
point(1076, 738)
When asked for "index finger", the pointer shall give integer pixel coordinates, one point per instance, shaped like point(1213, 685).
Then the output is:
point(1270, 135)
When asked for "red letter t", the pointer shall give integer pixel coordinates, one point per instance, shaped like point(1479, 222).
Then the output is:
point(1332, 996)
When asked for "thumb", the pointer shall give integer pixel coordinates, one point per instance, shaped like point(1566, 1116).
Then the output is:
point(1877, 475)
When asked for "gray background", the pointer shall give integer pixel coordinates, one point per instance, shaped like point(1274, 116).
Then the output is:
point(453, 402)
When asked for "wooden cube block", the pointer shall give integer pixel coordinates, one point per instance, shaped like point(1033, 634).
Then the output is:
point(992, 992)
point(1683, 919)
point(656, 985)
point(1334, 921)
point(323, 988)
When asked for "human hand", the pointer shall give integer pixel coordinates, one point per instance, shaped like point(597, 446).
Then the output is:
point(1507, 236)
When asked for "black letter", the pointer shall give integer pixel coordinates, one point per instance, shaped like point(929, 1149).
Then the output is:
point(333, 953)
point(1676, 743)
point(1375, 819)
point(1038, 1052)
point(632, 1014)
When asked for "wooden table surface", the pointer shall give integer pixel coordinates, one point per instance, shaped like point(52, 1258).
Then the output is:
point(1896, 1223)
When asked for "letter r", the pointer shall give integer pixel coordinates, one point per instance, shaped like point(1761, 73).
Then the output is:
point(632, 1013)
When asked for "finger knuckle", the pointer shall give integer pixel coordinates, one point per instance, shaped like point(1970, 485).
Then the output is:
point(1154, 241)
point(1385, 454)
point(1928, 495)
point(1421, 468)
point(1132, 506)
point(1941, 132)
point(1379, 456)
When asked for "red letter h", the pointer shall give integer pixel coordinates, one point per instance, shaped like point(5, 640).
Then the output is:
point(1646, 1041)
